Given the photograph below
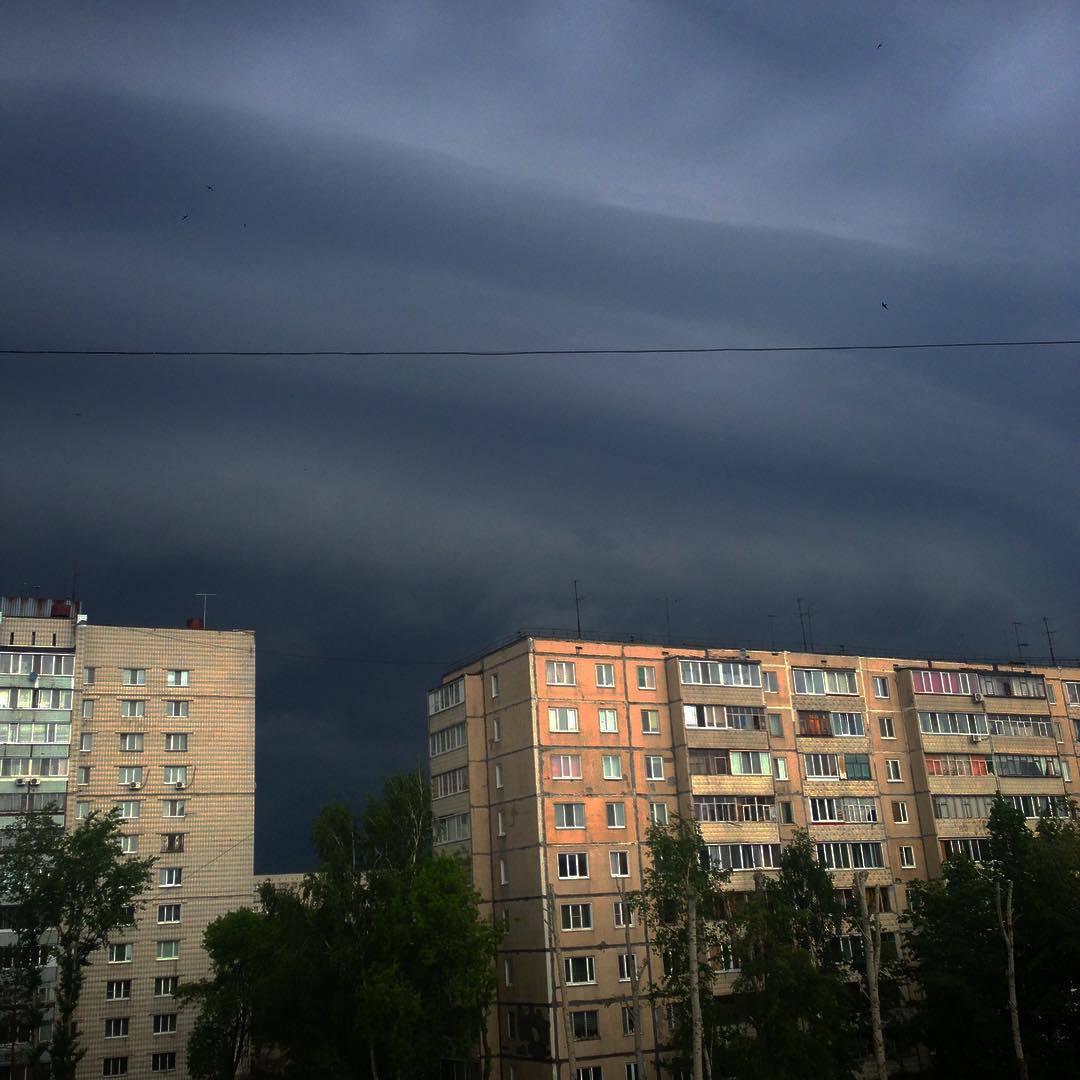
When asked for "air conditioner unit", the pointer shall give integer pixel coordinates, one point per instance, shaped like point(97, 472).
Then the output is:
point(134, 785)
point(180, 785)
point(975, 738)
point(33, 781)
point(977, 696)
point(20, 780)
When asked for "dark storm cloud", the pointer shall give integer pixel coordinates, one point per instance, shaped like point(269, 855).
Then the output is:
point(412, 176)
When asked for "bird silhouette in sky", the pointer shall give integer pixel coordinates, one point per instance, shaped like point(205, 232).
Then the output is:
point(879, 44)
point(209, 187)
point(185, 217)
point(884, 305)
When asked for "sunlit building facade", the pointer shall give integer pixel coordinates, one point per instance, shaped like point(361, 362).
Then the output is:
point(550, 758)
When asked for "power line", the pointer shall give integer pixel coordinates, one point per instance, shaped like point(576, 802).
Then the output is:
point(508, 353)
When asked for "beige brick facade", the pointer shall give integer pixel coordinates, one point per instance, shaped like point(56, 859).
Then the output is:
point(162, 721)
point(541, 784)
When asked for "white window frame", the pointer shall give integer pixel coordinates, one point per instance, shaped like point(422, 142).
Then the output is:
point(617, 859)
point(893, 775)
point(567, 760)
point(580, 913)
point(612, 760)
point(616, 811)
point(574, 811)
point(651, 767)
point(560, 673)
point(780, 767)
point(498, 775)
point(659, 813)
point(170, 877)
point(572, 962)
point(572, 860)
point(133, 676)
point(496, 729)
point(885, 726)
point(901, 805)
point(494, 684)
point(608, 721)
point(906, 856)
point(650, 717)
point(178, 677)
point(173, 955)
point(605, 670)
point(646, 677)
point(563, 719)
point(881, 683)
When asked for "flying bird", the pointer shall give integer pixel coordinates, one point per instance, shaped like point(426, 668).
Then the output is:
point(209, 187)
point(879, 44)
point(884, 305)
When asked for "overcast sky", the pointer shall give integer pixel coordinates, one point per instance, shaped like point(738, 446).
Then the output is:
point(549, 175)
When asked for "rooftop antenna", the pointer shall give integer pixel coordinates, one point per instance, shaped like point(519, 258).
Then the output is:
point(1050, 641)
point(772, 632)
point(802, 621)
point(577, 606)
point(75, 581)
point(1020, 645)
point(810, 625)
point(205, 596)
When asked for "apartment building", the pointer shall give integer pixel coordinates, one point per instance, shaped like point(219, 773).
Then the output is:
point(159, 723)
point(550, 757)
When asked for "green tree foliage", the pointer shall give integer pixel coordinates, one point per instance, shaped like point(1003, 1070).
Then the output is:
point(957, 955)
point(793, 1014)
point(379, 965)
point(78, 884)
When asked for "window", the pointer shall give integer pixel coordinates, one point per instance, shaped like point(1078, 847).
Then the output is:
point(881, 687)
point(82, 810)
point(605, 675)
point(609, 720)
point(623, 913)
point(616, 815)
point(787, 816)
point(846, 723)
point(562, 719)
point(118, 990)
point(771, 684)
point(89, 675)
point(579, 969)
point(177, 677)
point(173, 808)
point(576, 916)
point(449, 783)
point(658, 813)
point(734, 808)
point(175, 774)
point(176, 709)
point(169, 877)
point(504, 876)
point(712, 673)
point(1072, 693)
point(168, 913)
point(511, 1024)
point(496, 729)
point(972, 847)
point(627, 969)
point(573, 864)
point(744, 856)
point(951, 723)
point(620, 863)
point(174, 841)
point(561, 673)
point(1021, 727)
point(168, 950)
point(164, 1023)
point(120, 954)
point(857, 767)
point(857, 855)
point(650, 721)
point(129, 774)
point(175, 740)
point(570, 815)
point(88, 709)
point(117, 1028)
point(130, 809)
point(494, 685)
point(165, 1061)
point(941, 682)
point(449, 829)
point(500, 829)
point(612, 765)
point(589, 1072)
point(846, 809)
point(129, 845)
point(899, 811)
point(630, 1071)
point(999, 685)
point(445, 697)
point(508, 973)
point(165, 985)
point(821, 681)
point(907, 857)
point(446, 739)
point(133, 676)
point(776, 724)
point(654, 768)
point(780, 769)
point(1034, 765)
point(646, 677)
point(585, 1024)
point(892, 770)
point(114, 1066)
point(131, 742)
point(822, 766)
point(86, 742)
point(133, 709)
point(564, 767)
point(1050, 695)
point(885, 727)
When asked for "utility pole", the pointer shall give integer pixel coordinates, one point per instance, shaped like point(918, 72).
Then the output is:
point(577, 606)
point(205, 596)
point(1050, 641)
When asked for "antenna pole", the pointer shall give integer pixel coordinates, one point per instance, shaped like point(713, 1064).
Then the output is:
point(802, 621)
point(577, 606)
point(1020, 645)
point(1050, 641)
point(205, 596)
point(810, 625)
point(772, 632)
point(667, 617)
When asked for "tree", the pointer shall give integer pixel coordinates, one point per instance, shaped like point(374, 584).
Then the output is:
point(241, 949)
point(869, 927)
point(791, 1014)
point(682, 902)
point(80, 885)
point(379, 965)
